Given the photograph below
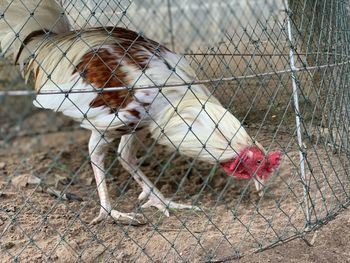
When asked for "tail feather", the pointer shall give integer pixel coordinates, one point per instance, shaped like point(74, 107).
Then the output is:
point(22, 19)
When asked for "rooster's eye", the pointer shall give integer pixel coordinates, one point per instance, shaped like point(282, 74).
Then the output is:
point(258, 161)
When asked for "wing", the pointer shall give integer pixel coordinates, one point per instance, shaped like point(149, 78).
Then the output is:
point(75, 100)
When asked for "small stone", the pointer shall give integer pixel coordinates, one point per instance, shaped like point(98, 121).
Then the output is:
point(90, 181)
point(65, 196)
point(53, 192)
point(8, 245)
point(73, 197)
point(23, 180)
point(20, 181)
point(64, 180)
point(10, 209)
point(39, 189)
point(2, 165)
point(41, 156)
point(32, 179)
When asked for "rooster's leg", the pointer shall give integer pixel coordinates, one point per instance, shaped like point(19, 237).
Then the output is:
point(97, 149)
point(128, 148)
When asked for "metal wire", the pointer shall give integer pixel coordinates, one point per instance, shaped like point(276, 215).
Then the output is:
point(184, 84)
point(281, 67)
point(297, 116)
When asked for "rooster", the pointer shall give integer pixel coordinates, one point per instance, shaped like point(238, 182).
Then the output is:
point(119, 84)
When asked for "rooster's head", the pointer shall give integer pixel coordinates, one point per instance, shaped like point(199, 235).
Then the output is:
point(251, 162)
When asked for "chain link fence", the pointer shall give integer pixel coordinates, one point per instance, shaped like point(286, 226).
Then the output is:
point(282, 69)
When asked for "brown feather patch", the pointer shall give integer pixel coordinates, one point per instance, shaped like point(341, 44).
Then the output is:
point(134, 112)
point(101, 68)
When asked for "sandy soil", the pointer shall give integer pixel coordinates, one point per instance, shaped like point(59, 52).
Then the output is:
point(36, 226)
point(328, 244)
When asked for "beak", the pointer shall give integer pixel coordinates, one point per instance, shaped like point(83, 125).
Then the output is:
point(259, 185)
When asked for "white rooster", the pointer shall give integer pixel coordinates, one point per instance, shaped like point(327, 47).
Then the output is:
point(68, 67)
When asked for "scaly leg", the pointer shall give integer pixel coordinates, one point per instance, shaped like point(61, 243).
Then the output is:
point(127, 149)
point(97, 149)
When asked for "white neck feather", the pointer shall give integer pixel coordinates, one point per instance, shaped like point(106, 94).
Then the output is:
point(200, 133)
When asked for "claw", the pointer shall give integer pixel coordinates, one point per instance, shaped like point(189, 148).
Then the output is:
point(123, 218)
point(101, 216)
point(161, 207)
point(157, 200)
point(128, 218)
point(143, 195)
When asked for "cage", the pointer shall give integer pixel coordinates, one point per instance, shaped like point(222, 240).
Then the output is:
point(281, 67)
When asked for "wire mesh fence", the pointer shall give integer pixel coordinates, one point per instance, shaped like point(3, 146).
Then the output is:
point(198, 127)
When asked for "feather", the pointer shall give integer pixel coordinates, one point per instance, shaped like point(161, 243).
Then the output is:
point(22, 18)
point(208, 133)
point(68, 99)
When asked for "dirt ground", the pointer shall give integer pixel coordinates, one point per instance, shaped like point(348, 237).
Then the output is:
point(37, 226)
point(328, 244)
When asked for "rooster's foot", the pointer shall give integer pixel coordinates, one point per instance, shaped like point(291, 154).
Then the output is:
point(123, 218)
point(157, 200)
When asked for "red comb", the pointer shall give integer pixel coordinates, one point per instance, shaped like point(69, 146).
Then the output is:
point(275, 158)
